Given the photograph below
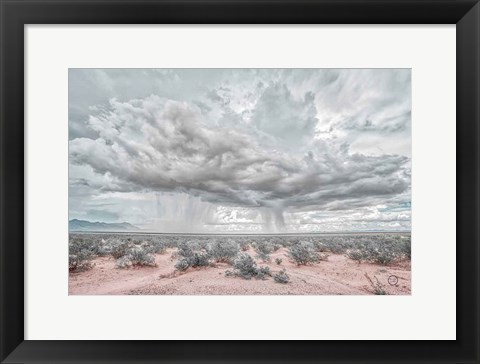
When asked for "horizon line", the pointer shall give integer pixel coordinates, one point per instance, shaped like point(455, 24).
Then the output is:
point(239, 233)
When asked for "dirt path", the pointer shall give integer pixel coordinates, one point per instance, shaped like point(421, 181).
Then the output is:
point(336, 276)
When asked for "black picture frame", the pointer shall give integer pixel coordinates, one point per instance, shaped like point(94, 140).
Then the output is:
point(15, 14)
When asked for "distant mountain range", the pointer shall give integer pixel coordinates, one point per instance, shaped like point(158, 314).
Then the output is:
point(83, 225)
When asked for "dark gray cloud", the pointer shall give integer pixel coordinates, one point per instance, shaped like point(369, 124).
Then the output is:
point(163, 145)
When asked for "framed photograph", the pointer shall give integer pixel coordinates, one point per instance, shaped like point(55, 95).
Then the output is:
point(239, 181)
point(234, 179)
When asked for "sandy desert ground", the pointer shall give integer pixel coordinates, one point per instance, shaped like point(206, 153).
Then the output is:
point(336, 276)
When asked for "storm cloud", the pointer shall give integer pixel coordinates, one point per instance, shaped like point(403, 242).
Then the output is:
point(275, 150)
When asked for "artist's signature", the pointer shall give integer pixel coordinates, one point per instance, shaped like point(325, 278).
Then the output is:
point(393, 280)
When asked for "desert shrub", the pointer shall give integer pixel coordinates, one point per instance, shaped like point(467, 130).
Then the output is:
point(184, 249)
point(223, 251)
point(136, 257)
point(379, 252)
point(335, 247)
point(182, 264)
point(121, 249)
point(149, 249)
point(378, 288)
point(264, 257)
point(263, 247)
point(189, 248)
point(193, 253)
point(244, 246)
point(263, 273)
point(246, 267)
point(140, 257)
point(355, 254)
point(80, 261)
point(303, 253)
point(263, 250)
point(383, 256)
point(105, 249)
point(281, 277)
point(156, 247)
point(406, 249)
point(123, 262)
point(292, 241)
point(320, 246)
point(278, 261)
point(80, 244)
point(80, 254)
point(197, 259)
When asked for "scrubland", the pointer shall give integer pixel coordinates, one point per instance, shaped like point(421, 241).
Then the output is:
point(315, 264)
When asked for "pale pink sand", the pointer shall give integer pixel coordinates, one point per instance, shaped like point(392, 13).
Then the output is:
point(336, 276)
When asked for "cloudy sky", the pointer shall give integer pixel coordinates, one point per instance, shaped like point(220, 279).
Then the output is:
point(241, 150)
